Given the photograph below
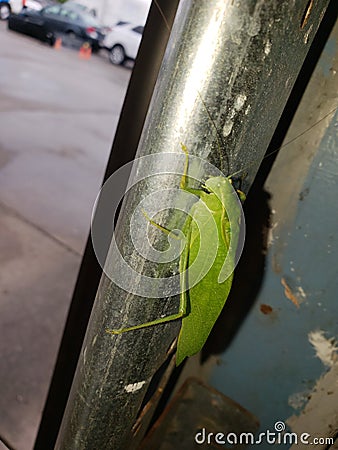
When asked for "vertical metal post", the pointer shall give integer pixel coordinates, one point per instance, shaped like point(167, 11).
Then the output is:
point(123, 150)
point(229, 66)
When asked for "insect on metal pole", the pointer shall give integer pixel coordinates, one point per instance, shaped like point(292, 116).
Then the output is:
point(225, 78)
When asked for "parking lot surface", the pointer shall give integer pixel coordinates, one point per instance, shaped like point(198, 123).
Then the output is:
point(58, 115)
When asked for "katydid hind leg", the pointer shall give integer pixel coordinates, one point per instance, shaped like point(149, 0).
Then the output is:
point(170, 318)
point(182, 311)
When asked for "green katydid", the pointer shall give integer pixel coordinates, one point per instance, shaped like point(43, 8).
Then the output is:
point(201, 304)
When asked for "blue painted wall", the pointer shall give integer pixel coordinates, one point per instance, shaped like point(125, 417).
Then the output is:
point(271, 367)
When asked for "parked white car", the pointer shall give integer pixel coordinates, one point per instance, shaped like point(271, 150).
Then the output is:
point(15, 6)
point(122, 42)
point(5, 9)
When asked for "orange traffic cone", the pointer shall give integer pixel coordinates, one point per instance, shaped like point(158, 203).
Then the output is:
point(85, 51)
point(58, 43)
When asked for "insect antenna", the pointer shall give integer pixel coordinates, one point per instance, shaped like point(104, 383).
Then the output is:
point(302, 133)
point(219, 137)
point(286, 143)
point(162, 15)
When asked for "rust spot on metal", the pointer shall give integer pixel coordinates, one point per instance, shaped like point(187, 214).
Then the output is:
point(265, 309)
point(288, 292)
point(307, 13)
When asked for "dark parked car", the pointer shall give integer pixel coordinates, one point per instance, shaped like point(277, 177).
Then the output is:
point(58, 20)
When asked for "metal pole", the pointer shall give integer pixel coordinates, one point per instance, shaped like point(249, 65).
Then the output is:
point(123, 150)
point(229, 66)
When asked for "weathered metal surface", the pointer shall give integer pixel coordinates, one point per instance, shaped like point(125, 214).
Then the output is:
point(242, 59)
point(123, 150)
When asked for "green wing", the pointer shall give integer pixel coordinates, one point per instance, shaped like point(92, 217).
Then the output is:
point(207, 298)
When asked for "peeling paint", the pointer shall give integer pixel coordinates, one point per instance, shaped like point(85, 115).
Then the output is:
point(227, 128)
point(298, 400)
point(326, 349)
point(239, 102)
point(301, 292)
point(267, 48)
point(320, 414)
point(237, 106)
point(289, 293)
point(271, 236)
point(307, 34)
point(133, 387)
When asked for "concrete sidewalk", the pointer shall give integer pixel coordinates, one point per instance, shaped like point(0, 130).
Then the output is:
point(57, 119)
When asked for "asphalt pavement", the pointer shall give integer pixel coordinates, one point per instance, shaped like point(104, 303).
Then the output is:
point(58, 114)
